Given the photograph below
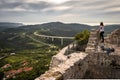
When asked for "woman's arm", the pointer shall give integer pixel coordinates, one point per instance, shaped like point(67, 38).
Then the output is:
point(99, 28)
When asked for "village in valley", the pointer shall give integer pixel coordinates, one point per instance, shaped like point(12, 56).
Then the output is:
point(13, 72)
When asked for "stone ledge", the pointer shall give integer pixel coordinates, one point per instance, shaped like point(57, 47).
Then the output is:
point(74, 67)
point(65, 70)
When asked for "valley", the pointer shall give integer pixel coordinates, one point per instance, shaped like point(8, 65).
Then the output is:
point(26, 55)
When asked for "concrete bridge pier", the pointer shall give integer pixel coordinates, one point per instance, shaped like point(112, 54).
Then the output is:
point(52, 39)
point(61, 41)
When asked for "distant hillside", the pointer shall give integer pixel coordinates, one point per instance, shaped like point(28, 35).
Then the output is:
point(5, 25)
point(57, 28)
point(109, 28)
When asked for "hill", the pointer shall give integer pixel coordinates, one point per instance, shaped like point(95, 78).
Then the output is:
point(109, 28)
point(52, 28)
point(62, 29)
point(56, 28)
point(5, 25)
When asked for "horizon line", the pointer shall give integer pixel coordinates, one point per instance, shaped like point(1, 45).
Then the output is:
point(86, 23)
point(91, 24)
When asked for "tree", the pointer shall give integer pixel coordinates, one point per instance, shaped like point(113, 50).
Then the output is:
point(82, 39)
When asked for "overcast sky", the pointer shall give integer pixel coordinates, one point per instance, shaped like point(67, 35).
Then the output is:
point(75, 11)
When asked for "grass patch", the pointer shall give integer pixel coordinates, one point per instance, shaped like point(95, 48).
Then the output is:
point(16, 58)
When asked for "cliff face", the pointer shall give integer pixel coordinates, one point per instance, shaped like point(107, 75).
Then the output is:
point(114, 37)
point(113, 40)
point(101, 65)
point(93, 63)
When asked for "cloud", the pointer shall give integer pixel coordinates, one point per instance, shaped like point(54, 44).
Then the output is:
point(77, 6)
point(23, 5)
point(62, 9)
point(36, 6)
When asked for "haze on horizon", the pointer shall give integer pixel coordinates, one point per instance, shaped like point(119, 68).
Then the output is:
point(74, 11)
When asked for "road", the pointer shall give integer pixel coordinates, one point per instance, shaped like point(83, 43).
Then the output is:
point(37, 40)
point(57, 37)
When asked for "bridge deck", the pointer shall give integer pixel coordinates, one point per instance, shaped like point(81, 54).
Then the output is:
point(57, 37)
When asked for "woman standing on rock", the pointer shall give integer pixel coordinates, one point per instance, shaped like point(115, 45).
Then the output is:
point(101, 31)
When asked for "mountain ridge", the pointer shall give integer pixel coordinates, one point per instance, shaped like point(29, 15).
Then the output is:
point(6, 25)
point(55, 27)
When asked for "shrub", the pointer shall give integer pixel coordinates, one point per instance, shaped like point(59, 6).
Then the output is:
point(82, 39)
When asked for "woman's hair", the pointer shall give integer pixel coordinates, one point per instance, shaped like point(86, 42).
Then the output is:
point(101, 24)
